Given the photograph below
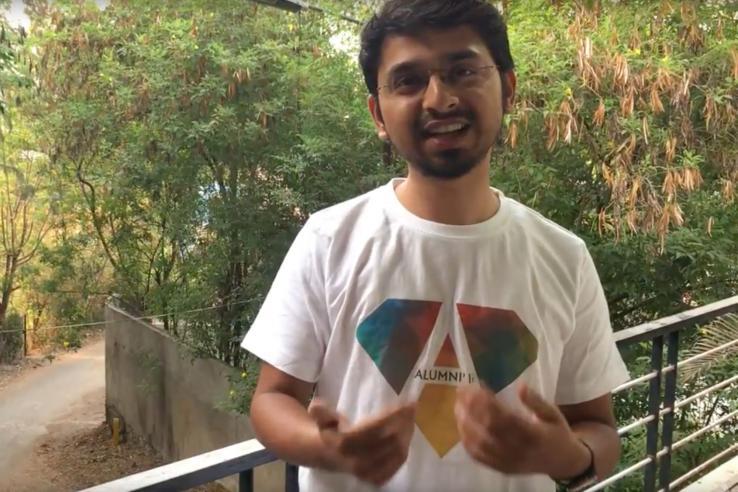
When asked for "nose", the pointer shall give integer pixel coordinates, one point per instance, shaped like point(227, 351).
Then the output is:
point(438, 96)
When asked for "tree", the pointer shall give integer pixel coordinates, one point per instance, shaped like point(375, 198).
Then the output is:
point(21, 229)
point(200, 139)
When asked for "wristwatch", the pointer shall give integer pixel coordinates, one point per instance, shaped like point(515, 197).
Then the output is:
point(584, 480)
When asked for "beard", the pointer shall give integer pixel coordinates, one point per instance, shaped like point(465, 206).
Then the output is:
point(450, 164)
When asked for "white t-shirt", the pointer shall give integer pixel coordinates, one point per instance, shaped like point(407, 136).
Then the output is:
point(378, 306)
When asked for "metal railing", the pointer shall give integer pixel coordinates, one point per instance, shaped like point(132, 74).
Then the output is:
point(238, 459)
point(242, 458)
point(662, 404)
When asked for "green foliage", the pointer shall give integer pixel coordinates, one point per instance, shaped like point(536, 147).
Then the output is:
point(200, 140)
point(242, 387)
point(721, 359)
point(618, 136)
point(14, 76)
point(11, 341)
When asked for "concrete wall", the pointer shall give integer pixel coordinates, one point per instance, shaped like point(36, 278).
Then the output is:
point(170, 398)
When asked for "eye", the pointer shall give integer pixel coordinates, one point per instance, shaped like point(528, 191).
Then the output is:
point(407, 82)
point(462, 71)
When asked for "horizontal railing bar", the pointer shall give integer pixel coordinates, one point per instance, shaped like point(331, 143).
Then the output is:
point(644, 420)
point(698, 433)
point(706, 391)
point(663, 326)
point(635, 382)
point(703, 466)
point(634, 425)
point(194, 471)
point(667, 369)
point(704, 354)
point(623, 473)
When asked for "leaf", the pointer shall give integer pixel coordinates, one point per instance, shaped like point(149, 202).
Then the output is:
point(723, 331)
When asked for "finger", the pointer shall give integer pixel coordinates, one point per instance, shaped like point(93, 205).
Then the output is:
point(473, 432)
point(498, 450)
point(482, 447)
point(540, 407)
point(379, 429)
point(390, 469)
point(379, 471)
point(363, 443)
point(324, 416)
point(482, 405)
point(495, 451)
point(480, 413)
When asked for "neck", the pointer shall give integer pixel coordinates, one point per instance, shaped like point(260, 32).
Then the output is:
point(462, 201)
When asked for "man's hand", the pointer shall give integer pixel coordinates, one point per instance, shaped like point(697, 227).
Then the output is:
point(372, 450)
point(499, 437)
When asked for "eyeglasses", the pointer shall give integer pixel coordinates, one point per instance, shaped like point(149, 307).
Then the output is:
point(413, 81)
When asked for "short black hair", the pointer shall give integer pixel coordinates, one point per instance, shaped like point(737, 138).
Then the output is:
point(411, 16)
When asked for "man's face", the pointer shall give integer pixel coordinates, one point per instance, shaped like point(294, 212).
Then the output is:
point(446, 127)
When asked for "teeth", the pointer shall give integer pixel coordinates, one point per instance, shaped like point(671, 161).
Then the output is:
point(447, 129)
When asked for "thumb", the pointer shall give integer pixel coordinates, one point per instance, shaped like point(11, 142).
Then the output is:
point(324, 416)
point(541, 408)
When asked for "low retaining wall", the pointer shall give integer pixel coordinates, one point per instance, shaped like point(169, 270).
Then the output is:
point(171, 399)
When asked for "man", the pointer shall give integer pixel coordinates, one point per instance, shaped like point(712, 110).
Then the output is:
point(451, 338)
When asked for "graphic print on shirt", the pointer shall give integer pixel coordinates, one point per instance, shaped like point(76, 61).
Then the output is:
point(395, 335)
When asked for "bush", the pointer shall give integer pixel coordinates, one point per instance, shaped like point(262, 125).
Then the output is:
point(11, 344)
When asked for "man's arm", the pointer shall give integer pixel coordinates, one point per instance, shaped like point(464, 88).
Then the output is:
point(594, 423)
point(280, 419)
point(318, 437)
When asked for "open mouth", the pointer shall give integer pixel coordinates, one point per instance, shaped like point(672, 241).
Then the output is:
point(451, 130)
point(446, 137)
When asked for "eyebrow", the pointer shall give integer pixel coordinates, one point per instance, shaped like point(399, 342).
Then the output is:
point(461, 55)
point(448, 58)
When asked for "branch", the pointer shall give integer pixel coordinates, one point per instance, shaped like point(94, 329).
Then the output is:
point(91, 199)
point(43, 230)
point(712, 411)
point(26, 229)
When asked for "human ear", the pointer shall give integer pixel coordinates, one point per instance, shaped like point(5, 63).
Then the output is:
point(509, 82)
point(376, 112)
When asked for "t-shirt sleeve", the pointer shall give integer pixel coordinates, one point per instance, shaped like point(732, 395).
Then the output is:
point(591, 364)
point(291, 330)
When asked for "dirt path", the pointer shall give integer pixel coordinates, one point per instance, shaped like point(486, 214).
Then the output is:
point(58, 399)
point(53, 436)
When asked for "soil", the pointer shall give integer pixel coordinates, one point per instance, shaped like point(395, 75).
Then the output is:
point(10, 372)
point(85, 457)
point(88, 457)
point(77, 451)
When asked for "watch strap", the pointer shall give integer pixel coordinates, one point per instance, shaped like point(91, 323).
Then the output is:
point(584, 480)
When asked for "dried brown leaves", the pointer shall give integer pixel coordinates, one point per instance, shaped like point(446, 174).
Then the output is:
point(646, 116)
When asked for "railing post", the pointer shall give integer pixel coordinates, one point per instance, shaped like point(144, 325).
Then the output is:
point(246, 481)
point(672, 358)
point(654, 404)
point(290, 482)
